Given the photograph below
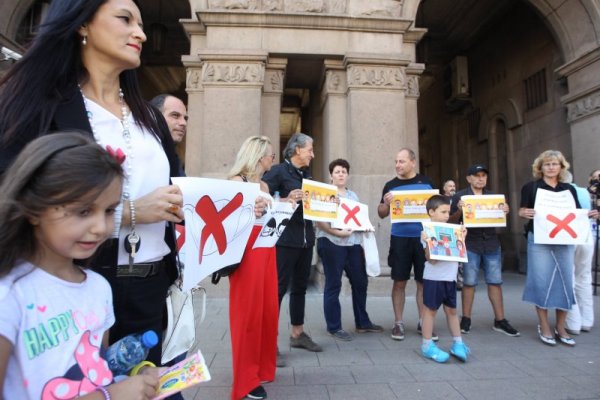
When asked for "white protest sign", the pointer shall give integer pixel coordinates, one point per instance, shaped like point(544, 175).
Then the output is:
point(219, 216)
point(560, 226)
point(352, 215)
point(277, 218)
point(557, 221)
point(554, 200)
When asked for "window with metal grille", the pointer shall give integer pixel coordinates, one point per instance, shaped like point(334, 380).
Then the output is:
point(536, 92)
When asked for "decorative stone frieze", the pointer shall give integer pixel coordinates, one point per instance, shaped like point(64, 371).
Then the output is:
point(583, 107)
point(233, 73)
point(362, 8)
point(377, 8)
point(412, 86)
point(233, 4)
point(376, 77)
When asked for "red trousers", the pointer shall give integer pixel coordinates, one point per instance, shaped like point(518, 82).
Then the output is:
point(253, 318)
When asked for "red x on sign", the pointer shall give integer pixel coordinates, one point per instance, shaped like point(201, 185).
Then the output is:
point(562, 224)
point(214, 221)
point(351, 214)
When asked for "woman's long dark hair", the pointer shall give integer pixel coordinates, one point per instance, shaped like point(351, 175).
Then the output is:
point(50, 70)
point(52, 170)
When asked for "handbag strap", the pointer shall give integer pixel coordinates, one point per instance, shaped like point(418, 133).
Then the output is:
point(203, 290)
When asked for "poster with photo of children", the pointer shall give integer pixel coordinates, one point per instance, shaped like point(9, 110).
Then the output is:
point(319, 201)
point(445, 241)
point(484, 210)
point(409, 205)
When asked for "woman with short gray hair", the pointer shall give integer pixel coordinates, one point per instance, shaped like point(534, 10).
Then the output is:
point(295, 246)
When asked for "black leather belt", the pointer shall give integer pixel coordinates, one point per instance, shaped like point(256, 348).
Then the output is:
point(140, 270)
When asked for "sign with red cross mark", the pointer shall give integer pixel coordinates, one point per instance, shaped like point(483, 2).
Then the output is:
point(352, 215)
point(558, 226)
point(219, 216)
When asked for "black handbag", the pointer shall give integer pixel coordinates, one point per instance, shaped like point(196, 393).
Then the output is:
point(223, 272)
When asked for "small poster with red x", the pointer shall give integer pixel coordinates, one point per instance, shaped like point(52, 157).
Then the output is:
point(558, 226)
point(352, 215)
point(557, 220)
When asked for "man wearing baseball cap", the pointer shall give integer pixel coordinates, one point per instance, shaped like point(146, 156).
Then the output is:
point(483, 252)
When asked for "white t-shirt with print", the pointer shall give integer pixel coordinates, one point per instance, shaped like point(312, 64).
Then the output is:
point(47, 320)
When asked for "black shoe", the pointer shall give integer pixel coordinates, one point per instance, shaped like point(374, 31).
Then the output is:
point(304, 342)
point(506, 328)
point(434, 337)
point(465, 324)
point(258, 393)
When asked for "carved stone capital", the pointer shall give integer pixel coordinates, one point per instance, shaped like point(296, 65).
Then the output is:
point(225, 73)
point(376, 77)
point(412, 86)
point(583, 107)
point(335, 82)
point(194, 80)
point(273, 81)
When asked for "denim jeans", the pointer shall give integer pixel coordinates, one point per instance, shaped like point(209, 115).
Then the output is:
point(336, 260)
point(490, 262)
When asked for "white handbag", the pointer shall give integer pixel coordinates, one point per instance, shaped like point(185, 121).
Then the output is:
point(369, 245)
point(180, 334)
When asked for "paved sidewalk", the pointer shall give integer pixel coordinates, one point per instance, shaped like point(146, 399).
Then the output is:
point(375, 367)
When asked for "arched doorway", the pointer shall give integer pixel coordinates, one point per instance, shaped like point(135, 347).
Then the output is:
point(491, 88)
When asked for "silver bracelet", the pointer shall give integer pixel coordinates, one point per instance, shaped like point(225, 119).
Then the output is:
point(132, 214)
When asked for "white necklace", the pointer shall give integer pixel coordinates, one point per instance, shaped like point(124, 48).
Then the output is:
point(126, 137)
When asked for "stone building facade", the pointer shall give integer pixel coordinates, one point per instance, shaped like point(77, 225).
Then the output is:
point(460, 82)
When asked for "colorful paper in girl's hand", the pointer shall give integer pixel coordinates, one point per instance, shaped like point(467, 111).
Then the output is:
point(185, 374)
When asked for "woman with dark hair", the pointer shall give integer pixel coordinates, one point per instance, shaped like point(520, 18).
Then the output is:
point(79, 74)
point(341, 250)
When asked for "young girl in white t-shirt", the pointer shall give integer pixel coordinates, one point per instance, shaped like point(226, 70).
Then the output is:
point(57, 204)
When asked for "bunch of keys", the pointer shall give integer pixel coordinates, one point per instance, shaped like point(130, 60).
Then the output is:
point(132, 241)
point(132, 244)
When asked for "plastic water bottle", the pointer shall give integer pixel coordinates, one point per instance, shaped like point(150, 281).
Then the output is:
point(128, 352)
point(276, 196)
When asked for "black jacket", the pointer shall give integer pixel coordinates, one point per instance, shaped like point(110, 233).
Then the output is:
point(284, 178)
point(71, 115)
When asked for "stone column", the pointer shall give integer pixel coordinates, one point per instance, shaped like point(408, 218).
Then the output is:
point(193, 139)
point(271, 102)
point(583, 112)
point(377, 114)
point(227, 107)
point(333, 104)
point(413, 71)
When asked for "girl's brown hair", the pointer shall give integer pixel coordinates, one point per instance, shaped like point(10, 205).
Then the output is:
point(55, 169)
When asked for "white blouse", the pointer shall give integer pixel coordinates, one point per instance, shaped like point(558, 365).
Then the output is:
point(150, 167)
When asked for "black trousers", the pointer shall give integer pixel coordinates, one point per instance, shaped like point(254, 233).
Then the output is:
point(293, 271)
point(139, 305)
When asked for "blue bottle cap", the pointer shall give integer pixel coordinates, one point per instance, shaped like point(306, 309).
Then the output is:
point(149, 339)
